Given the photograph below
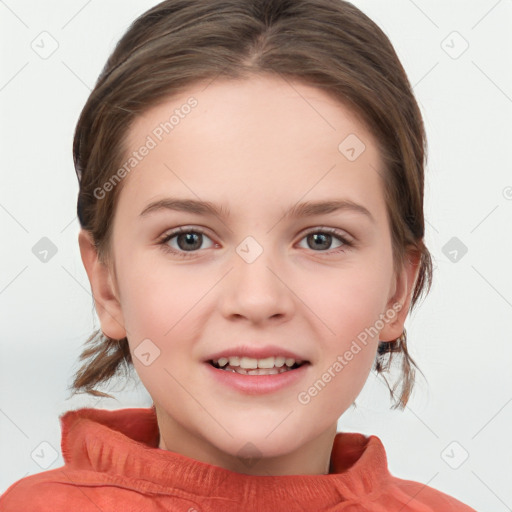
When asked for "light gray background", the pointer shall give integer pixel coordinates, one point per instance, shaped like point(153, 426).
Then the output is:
point(460, 335)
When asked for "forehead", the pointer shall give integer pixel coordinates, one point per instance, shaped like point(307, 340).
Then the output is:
point(263, 137)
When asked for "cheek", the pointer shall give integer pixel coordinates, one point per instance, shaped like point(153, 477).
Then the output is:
point(349, 304)
point(159, 306)
point(348, 300)
point(156, 296)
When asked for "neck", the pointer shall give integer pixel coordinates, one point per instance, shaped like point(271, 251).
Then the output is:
point(312, 458)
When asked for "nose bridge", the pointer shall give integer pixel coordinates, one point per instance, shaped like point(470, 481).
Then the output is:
point(255, 291)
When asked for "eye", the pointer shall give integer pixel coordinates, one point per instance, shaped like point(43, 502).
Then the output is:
point(320, 240)
point(184, 241)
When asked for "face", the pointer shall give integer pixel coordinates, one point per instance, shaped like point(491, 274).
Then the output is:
point(295, 263)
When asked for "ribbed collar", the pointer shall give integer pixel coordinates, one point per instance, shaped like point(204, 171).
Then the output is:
point(124, 443)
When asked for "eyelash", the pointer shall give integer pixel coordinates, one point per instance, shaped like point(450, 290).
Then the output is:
point(188, 254)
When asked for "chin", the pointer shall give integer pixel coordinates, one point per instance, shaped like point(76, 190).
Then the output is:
point(257, 443)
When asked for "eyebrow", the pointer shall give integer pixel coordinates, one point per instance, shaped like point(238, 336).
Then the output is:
point(186, 205)
point(305, 209)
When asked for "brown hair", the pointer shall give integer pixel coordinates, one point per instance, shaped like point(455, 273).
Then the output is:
point(329, 44)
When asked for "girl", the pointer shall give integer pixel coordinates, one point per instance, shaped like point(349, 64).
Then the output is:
point(251, 202)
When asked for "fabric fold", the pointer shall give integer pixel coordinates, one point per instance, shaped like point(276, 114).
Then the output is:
point(113, 463)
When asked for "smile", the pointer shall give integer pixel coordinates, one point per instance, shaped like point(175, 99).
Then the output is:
point(252, 366)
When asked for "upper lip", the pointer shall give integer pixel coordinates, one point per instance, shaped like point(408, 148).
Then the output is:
point(256, 353)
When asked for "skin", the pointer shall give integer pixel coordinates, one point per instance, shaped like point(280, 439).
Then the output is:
point(258, 146)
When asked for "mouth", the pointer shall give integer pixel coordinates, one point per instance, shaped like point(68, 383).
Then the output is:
point(252, 366)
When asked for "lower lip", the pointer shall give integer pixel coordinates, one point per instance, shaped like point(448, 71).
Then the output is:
point(258, 384)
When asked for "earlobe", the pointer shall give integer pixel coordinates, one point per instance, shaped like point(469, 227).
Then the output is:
point(399, 303)
point(106, 299)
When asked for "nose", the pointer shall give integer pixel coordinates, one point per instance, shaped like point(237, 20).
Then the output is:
point(257, 290)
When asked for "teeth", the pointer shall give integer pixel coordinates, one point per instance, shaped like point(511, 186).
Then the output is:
point(250, 363)
point(265, 363)
point(279, 361)
point(257, 371)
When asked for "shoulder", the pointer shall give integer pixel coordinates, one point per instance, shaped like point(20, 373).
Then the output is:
point(57, 490)
point(421, 497)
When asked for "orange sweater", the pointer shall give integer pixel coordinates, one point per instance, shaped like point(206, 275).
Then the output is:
point(113, 463)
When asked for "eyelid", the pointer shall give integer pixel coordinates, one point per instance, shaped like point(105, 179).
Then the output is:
point(171, 233)
point(184, 229)
point(314, 229)
point(332, 231)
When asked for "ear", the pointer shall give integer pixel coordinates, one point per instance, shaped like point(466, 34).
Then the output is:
point(401, 296)
point(104, 293)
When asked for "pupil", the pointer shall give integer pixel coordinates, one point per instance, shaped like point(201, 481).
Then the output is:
point(321, 236)
point(190, 239)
